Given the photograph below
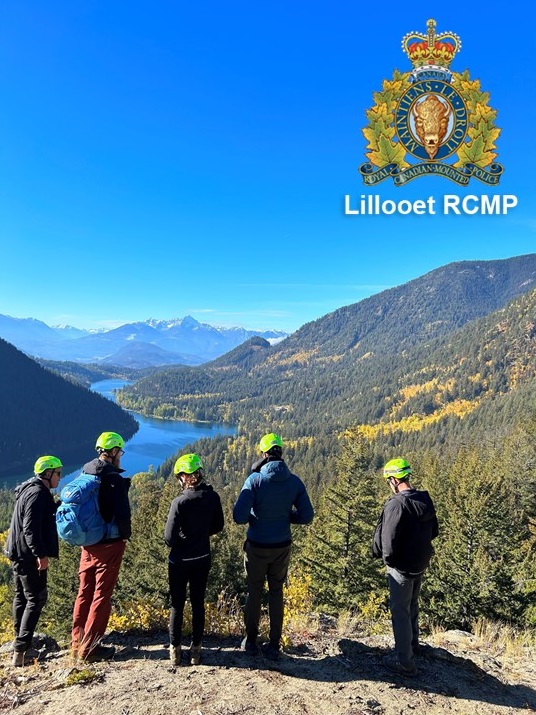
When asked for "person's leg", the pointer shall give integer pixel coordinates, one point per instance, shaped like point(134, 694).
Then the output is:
point(414, 612)
point(198, 586)
point(107, 559)
point(84, 598)
point(277, 575)
point(19, 601)
point(256, 565)
point(400, 595)
point(31, 586)
point(178, 580)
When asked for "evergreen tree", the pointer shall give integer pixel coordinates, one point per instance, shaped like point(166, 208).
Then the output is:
point(144, 570)
point(337, 549)
point(477, 551)
point(57, 616)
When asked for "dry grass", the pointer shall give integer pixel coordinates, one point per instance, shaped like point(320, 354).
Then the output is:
point(504, 639)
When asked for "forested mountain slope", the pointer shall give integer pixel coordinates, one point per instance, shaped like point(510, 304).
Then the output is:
point(431, 305)
point(412, 369)
point(44, 414)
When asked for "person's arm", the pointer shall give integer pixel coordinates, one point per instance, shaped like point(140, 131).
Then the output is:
point(303, 511)
point(217, 518)
point(122, 507)
point(391, 529)
point(173, 525)
point(32, 525)
point(376, 550)
point(244, 503)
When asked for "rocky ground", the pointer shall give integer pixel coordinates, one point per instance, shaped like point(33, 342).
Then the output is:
point(322, 675)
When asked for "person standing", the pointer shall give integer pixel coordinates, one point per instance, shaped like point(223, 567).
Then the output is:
point(193, 517)
point(100, 563)
point(32, 540)
point(271, 499)
point(403, 539)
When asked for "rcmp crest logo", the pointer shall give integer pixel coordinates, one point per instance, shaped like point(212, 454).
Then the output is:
point(431, 121)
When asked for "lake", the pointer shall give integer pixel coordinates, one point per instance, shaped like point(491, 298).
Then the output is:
point(153, 443)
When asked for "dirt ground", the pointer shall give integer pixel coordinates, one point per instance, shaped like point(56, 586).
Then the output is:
point(324, 675)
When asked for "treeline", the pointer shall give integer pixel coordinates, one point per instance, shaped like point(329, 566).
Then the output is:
point(484, 565)
point(85, 375)
point(44, 414)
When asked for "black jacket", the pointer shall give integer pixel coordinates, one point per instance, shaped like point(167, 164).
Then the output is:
point(193, 516)
point(32, 532)
point(405, 529)
point(113, 495)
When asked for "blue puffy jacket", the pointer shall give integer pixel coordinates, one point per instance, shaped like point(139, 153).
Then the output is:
point(270, 501)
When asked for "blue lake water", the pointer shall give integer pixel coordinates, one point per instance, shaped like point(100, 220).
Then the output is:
point(153, 443)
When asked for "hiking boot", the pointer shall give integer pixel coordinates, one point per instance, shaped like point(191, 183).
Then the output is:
point(24, 657)
point(392, 663)
point(270, 651)
point(175, 654)
point(98, 654)
point(18, 658)
point(249, 646)
point(195, 654)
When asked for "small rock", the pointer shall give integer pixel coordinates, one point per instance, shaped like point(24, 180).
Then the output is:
point(371, 703)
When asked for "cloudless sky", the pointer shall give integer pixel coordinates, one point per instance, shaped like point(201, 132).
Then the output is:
point(171, 158)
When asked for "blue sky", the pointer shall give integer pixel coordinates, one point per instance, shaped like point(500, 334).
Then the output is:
point(164, 159)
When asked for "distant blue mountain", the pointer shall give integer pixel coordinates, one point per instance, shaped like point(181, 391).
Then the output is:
point(145, 344)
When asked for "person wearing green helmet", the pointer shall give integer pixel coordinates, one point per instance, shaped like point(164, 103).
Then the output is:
point(193, 518)
point(100, 562)
point(271, 445)
point(271, 499)
point(403, 540)
point(32, 540)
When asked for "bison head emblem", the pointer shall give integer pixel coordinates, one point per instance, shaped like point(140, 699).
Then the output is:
point(431, 123)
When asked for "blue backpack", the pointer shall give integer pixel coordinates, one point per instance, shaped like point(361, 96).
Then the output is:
point(78, 519)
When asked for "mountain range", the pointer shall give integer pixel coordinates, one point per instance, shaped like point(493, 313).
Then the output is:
point(142, 344)
point(418, 356)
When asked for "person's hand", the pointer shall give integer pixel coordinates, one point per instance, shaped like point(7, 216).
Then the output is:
point(42, 563)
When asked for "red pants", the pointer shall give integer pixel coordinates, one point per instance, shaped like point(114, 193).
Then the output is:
point(98, 572)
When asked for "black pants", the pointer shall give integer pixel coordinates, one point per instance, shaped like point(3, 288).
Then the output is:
point(262, 565)
point(30, 598)
point(181, 574)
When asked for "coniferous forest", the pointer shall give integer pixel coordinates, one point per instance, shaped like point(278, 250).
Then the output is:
point(449, 383)
point(43, 413)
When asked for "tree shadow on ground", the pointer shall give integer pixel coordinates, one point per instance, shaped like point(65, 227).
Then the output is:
point(440, 672)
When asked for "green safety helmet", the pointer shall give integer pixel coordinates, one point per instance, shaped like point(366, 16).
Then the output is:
point(47, 462)
point(109, 440)
point(188, 464)
point(397, 468)
point(269, 441)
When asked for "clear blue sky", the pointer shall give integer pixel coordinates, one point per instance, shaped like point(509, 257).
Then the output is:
point(172, 158)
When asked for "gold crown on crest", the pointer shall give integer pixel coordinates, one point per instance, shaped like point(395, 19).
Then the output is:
point(431, 49)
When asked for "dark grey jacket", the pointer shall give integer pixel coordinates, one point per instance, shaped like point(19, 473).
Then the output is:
point(32, 533)
point(405, 529)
